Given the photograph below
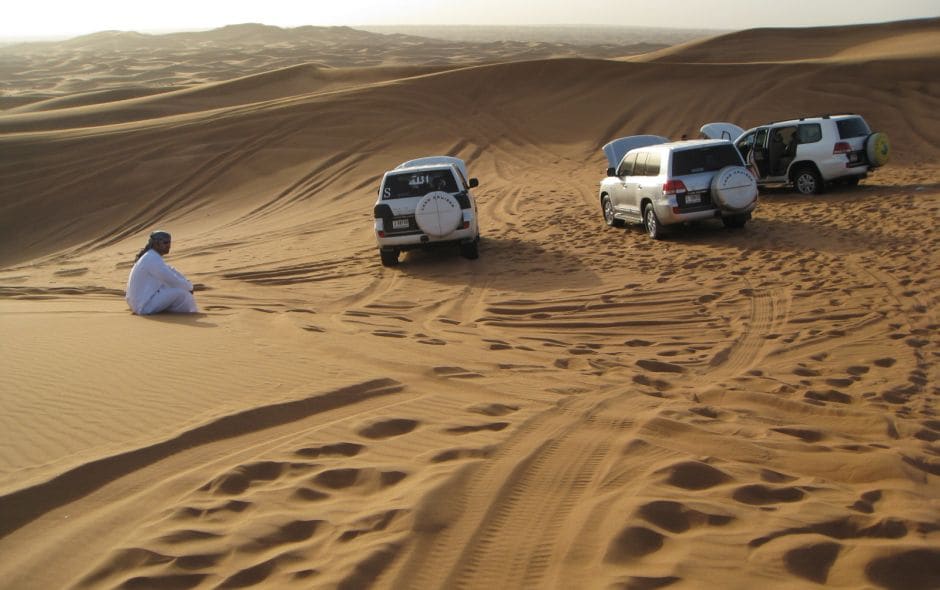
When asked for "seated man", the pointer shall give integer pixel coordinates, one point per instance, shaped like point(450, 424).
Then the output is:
point(153, 286)
point(776, 152)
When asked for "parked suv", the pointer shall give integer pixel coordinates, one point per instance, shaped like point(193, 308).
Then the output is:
point(810, 152)
point(423, 203)
point(657, 183)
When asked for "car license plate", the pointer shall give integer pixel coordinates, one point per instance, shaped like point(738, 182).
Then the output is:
point(399, 224)
point(853, 157)
point(693, 199)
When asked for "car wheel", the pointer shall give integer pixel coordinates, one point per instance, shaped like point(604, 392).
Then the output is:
point(651, 223)
point(808, 181)
point(389, 257)
point(470, 250)
point(734, 221)
point(608, 209)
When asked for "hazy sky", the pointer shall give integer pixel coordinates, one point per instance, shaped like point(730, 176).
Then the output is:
point(36, 18)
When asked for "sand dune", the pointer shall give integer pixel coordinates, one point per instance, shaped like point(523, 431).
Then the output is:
point(901, 40)
point(579, 408)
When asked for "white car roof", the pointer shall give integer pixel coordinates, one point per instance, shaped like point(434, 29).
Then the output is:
point(723, 130)
point(436, 161)
point(618, 148)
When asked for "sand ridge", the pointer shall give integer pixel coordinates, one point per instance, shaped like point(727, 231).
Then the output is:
point(579, 408)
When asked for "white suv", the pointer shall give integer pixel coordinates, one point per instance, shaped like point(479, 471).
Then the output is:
point(809, 152)
point(657, 183)
point(423, 203)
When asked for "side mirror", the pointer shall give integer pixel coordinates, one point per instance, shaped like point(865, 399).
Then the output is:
point(611, 172)
point(473, 183)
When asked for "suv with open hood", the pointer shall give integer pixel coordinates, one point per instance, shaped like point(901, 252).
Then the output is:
point(810, 152)
point(657, 183)
point(423, 203)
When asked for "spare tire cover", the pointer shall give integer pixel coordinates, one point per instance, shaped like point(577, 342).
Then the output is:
point(734, 188)
point(878, 149)
point(438, 213)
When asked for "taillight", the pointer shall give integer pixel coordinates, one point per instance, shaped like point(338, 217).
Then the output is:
point(841, 147)
point(674, 187)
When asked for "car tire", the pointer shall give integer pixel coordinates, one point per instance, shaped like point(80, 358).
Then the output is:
point(470, 250)
point(608, 210)
point(654, 229)
point(735, 221)
point(807, 181)
point(389, 257)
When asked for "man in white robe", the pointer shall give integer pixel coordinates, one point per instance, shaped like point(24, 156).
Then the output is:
point(154, 286)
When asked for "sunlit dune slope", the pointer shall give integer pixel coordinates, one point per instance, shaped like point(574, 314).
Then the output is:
point(905, 39)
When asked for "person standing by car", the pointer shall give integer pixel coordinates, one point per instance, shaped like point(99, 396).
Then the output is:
point(154, 286)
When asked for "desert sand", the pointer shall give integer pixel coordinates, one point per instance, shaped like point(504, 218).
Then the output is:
point(581, 407)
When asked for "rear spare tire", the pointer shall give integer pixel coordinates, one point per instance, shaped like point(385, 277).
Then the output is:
point(438, 214)
point(877, 149)
point(734, 188)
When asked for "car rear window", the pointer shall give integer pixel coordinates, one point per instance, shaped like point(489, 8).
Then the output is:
point(418, 184)
point(704, 159)
point(853, 127)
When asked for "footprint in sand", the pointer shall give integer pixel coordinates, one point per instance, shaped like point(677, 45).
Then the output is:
point(694, 475)
point(293, 531)
point(866, 503)
point(804, 434)
point(812, 562)
point(344, 449)
point(827, 396)
point(659, 366)
point(676, 517)
point(771, 476)
point(251, 576)
point(389, 428)
point(913, 569)
point(632, 543)
point(390, 333)
point(493, 409)
point(457, 454)
point(761, 495)
point(341, 479)
point(455, 373)
point(242, 477)
point(371, 524)
point(495, 426)
point(497, 344)
point(189, 512)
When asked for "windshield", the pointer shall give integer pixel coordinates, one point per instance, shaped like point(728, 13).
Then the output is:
point(418, 184)
point(704, 159)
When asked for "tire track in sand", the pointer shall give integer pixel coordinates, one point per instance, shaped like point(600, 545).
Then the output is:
point(510, 513)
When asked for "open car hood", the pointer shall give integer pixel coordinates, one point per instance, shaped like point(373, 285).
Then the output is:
point(432, 160)
point(618, 148)
point(728, 131)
